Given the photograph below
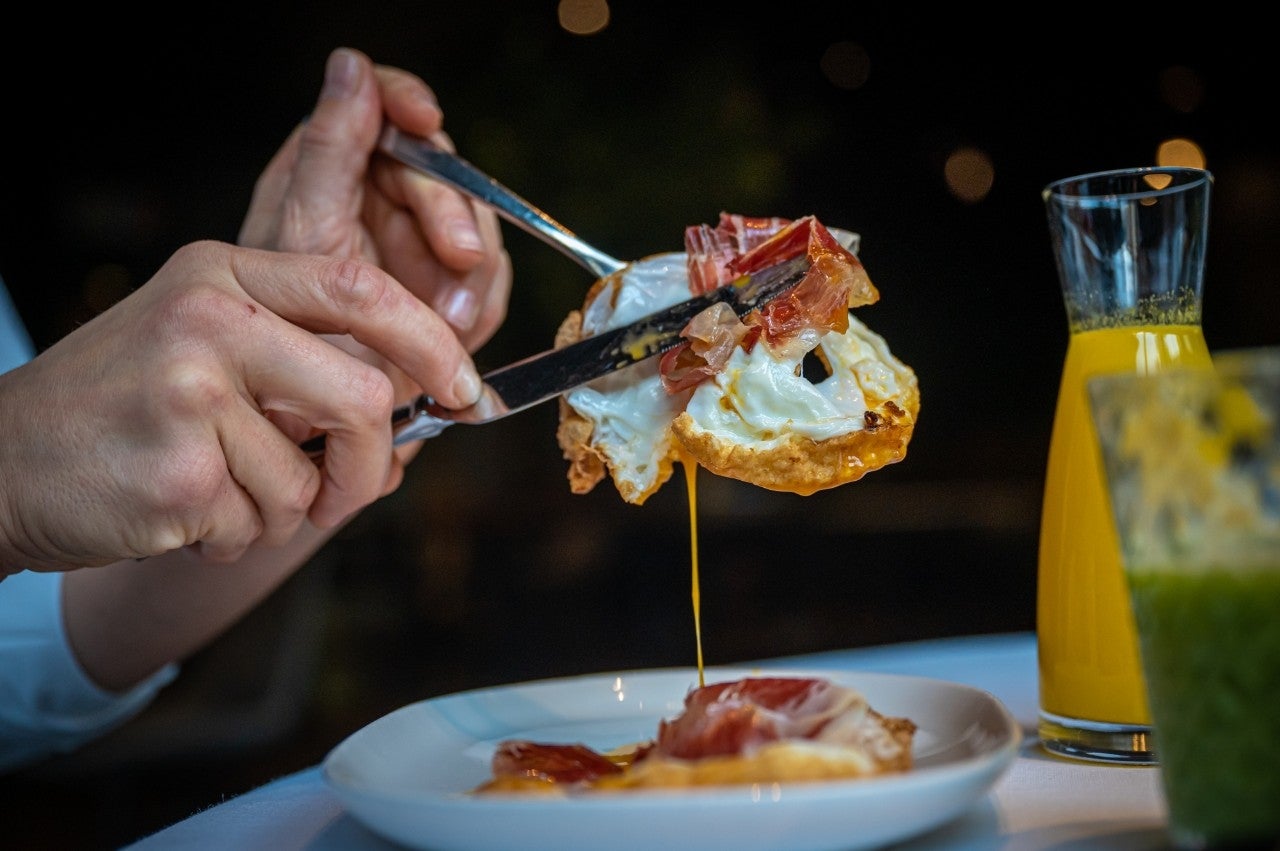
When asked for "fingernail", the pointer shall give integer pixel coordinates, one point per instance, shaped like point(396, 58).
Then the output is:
point(340, 74)
point(466, 386)
point(460, 308)
point(463, 234)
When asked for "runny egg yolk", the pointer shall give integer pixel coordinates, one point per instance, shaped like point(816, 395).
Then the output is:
point(691, 485)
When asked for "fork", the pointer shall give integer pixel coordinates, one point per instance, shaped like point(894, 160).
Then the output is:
point(431, 159)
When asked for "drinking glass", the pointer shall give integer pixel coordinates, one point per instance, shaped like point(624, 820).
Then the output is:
point(1129, 247)
point(1192, 460)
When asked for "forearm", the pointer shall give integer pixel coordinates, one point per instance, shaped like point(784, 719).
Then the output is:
point(127, 620)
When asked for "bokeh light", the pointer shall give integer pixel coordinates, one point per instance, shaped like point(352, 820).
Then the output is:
point(583, 17)
point(969, 174)
point(1180, 152)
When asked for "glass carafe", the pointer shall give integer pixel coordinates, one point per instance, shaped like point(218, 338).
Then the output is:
point(1129, 247)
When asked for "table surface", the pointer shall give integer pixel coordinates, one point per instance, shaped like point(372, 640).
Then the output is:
point(1041, 802)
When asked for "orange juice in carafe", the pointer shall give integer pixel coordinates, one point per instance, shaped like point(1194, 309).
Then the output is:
point(1129, 246)
point(1089, 665)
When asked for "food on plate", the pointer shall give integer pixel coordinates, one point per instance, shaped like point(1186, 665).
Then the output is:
point(798, 396)
point(752, 730)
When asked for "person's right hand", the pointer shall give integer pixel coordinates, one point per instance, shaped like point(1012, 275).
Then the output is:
point(174, 417)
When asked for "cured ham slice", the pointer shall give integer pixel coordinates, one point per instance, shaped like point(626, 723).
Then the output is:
point(752, 730)
point(737, 717)
point(538, 766)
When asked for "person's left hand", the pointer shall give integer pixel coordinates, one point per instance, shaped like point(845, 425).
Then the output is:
point(328, 192)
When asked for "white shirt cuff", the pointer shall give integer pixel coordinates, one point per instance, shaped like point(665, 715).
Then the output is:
point(48, 705)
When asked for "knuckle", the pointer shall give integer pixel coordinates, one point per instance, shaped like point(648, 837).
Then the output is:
point(297, 494)
point(372, 396)
point(200, 253)
point(200, 311)
point(190, 485)
point(192, 389)
point(357, 286)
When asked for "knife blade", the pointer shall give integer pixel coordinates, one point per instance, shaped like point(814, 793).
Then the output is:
point(538, 378)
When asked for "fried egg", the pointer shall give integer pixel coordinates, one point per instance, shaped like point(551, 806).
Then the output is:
point(762, 419)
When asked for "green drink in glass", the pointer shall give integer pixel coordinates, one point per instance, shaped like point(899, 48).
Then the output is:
point(1192, 463)
point(1210, 647)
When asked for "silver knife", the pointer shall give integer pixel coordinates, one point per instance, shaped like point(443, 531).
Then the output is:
point(528, 382)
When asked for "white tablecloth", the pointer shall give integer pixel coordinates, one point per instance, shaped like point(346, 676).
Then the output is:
point(1042, 802)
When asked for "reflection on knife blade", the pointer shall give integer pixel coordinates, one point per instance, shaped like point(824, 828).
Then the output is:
point(528, 382)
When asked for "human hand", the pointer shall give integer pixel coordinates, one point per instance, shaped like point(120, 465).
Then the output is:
point(327, 192)
point(174, 417)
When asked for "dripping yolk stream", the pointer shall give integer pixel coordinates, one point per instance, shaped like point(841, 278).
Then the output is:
point(691, 484)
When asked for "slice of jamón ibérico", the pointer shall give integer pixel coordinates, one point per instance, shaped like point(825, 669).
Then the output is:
point(711, 250)
point(550, 763)
point(757, 729)
point(733, 718)
point(738, 246)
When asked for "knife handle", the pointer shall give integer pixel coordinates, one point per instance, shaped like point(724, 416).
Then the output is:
point(408, 423)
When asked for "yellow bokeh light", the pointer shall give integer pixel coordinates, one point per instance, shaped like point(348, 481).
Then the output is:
point(1180, 152)
point(583, 17)
point(969, 174)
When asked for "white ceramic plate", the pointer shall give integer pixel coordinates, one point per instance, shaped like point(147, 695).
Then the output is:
point(407, 776)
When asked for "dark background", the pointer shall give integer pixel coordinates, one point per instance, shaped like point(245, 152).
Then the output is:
point(137, 133)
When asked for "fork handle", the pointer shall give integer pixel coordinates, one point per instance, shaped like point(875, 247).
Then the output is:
point(430, 159)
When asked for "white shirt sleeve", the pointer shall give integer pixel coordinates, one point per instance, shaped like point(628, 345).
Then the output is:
point(48, 705)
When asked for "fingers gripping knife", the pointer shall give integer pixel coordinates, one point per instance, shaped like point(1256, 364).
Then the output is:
point(525, 383)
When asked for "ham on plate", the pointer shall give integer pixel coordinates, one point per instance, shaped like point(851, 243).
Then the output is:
point(752, 730)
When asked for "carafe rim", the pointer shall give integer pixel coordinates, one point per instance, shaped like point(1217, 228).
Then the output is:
point(1182, 178)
